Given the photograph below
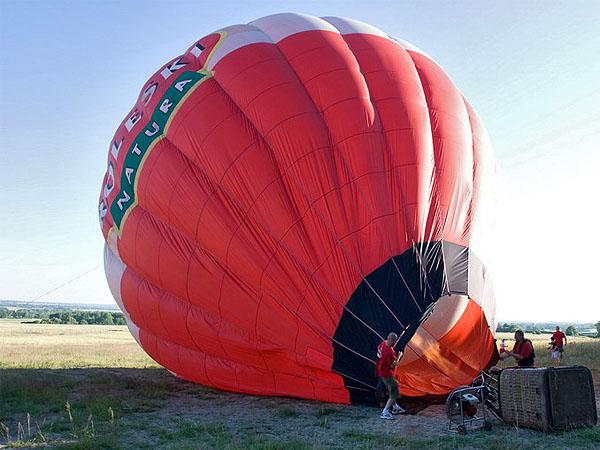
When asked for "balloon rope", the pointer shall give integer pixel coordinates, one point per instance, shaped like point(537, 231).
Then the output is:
point(62, 285)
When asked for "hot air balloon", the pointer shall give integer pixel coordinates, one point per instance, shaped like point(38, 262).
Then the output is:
point(287, 192)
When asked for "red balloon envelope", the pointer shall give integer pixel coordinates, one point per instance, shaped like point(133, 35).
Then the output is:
point(285, 194)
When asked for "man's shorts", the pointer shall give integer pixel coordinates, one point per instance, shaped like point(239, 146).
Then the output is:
point(561, 349)
point(392, 386)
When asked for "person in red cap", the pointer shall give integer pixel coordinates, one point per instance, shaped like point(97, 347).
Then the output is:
point(561, 340)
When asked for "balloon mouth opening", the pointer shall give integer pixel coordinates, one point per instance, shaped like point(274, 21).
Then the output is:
point(399, 296)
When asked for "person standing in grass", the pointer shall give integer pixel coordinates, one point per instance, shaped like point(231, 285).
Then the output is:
point(554, 349)
point(384, 369)
point(561, 342)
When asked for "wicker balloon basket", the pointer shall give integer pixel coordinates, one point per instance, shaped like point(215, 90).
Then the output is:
point(548, 399)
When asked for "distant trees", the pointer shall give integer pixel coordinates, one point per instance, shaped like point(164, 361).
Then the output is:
point(66, 317)
point(511, 328)
point(17, 313)
point(582, 329)
point(86, 318)
point(571, 331)
point(507, 328)
point(533, 330)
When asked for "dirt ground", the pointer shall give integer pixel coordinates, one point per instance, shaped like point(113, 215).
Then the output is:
point(298, 419)
point(153, 409)
point(277, 417)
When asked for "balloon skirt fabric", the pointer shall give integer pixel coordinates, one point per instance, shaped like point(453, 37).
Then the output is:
point(286, 193)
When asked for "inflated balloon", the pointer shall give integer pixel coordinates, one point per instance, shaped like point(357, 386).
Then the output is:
point(286, 193)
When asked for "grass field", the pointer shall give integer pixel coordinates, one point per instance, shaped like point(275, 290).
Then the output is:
point(579, 350)
point(92, 387)
point(39, 346)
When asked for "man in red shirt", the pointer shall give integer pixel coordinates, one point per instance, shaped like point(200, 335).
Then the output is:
point(522, 351)
point(384, 368)
point(559, 337)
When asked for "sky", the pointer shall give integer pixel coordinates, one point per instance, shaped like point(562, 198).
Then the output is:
point(70, 71)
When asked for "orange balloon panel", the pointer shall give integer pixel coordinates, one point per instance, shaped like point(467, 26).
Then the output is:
point(285, 194)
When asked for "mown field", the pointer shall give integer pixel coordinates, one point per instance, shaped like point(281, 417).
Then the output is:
point(92, 387)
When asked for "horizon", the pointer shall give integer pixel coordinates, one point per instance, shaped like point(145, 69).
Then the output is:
point(530, 71)
point(29, 305)
point(75, 306)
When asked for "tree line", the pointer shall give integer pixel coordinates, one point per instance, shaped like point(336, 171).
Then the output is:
point(536, 329)
point(65, 317)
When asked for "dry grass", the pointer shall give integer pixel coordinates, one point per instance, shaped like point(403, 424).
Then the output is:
point(580, 350)
point(40, 346)
point(543, 337)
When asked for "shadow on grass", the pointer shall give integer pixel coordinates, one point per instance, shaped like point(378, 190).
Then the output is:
point(40, 391)
point(105, 408)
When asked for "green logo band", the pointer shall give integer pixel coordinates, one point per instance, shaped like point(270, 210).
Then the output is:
point(145, 140)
